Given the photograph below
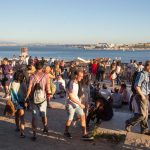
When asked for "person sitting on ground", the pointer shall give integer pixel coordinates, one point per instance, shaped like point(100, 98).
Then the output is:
point(100, 111)
point(60, 86)
point(117, 98)
point(18, 91)
point(125, 94)
point(105, 92)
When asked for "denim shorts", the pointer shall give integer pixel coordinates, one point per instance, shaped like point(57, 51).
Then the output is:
point(71, 111)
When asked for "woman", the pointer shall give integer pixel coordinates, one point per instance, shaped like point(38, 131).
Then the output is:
point(113, 75)
point(51, 75)
point(57, 69)
point(18, 92)
point(125, 94)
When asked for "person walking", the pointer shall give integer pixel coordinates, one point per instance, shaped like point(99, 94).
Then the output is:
point(39, 92)
point(74, 106)
point(18, 92)
point(142, 87)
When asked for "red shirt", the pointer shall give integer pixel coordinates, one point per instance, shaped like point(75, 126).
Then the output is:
point(94, 68)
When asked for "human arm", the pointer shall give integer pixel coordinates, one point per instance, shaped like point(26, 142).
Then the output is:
point(47, 87)
point(29, 89)
point(73, 99)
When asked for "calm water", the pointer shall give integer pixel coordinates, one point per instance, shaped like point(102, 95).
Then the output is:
point(67, 53)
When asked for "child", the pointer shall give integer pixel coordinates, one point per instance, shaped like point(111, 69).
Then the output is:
point(18, 92)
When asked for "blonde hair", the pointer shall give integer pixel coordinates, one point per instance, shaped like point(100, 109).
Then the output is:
point(47, 69)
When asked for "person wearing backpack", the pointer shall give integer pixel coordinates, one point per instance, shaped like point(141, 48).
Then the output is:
point(142, 89)
point(39, 92)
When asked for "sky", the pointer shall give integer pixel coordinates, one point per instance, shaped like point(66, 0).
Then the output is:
point(75, 21)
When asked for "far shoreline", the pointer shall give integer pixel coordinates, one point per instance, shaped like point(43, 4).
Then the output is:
point(88, 49)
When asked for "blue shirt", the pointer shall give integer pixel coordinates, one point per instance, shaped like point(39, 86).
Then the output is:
point(143, 81)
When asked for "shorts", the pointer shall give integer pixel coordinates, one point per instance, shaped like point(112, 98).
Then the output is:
point(4, 81)
point(19, 106)
point(39, 110)
point(71, 111)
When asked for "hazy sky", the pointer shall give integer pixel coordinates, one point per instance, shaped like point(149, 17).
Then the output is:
point(75, 21)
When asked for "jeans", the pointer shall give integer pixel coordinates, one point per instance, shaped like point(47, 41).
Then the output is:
point(118, 79)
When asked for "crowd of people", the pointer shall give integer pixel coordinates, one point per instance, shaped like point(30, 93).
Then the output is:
point(32, 84)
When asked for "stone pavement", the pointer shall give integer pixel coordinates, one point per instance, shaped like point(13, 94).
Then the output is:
point(9, 139)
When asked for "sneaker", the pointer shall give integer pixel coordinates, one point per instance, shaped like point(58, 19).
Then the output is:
point(128, 128)
point(45, 130)
point(87, 137)
point(68, 135)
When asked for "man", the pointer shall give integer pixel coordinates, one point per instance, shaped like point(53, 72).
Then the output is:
point(142, 87)
point(7, 71)
point(39, 109)
point(74, 106)
point(105, 92)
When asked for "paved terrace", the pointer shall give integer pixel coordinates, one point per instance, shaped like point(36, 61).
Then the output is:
point(10, 140)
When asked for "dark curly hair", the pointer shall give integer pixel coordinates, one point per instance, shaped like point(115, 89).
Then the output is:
point(19, 76)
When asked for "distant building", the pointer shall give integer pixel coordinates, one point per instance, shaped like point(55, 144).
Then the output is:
point(102, 45)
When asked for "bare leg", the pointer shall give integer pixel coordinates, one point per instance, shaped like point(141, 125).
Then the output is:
point(17, 120)
point(22, 122)
point(83, 124)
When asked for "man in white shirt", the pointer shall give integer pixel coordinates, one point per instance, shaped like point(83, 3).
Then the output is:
point(74, 106)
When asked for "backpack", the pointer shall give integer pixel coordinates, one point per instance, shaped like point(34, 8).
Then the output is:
point(39, 95)
point(133, 81)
